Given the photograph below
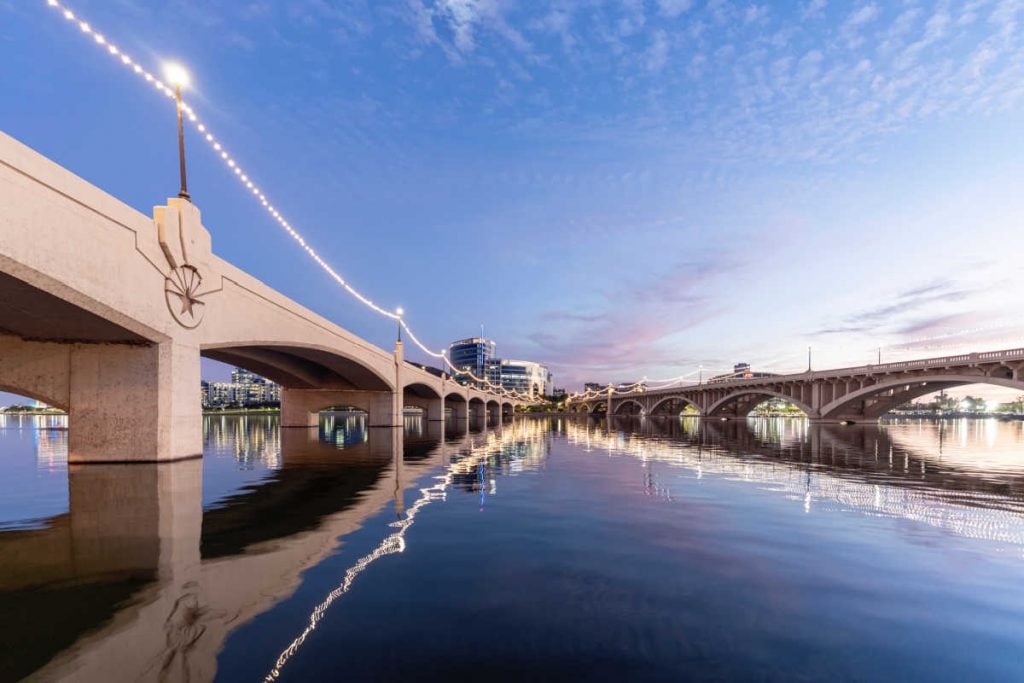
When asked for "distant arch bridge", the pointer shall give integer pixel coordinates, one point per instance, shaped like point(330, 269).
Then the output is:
point(856, 394)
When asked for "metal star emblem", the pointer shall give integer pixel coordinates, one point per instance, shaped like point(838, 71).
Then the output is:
point(183, 284)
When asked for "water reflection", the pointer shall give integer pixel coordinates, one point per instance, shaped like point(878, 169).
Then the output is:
point(144, 576)
point(146, 571)
point(884, 470)
point(471, 461)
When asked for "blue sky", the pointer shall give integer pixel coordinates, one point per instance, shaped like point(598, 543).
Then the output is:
point(615, 188)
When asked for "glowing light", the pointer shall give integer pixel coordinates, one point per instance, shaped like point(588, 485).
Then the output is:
point(176, 74)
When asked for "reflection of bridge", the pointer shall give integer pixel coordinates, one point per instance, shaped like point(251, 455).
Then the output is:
point(826, 467)
point(153, 595)
point(106, 313)
point(857, 394)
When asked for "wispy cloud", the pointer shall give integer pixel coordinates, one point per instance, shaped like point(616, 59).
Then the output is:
point(631, 325)
point(897, 314)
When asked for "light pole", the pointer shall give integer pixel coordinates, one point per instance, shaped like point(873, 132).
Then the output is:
point(178, 77)
point(808, 359)
point(399, 312)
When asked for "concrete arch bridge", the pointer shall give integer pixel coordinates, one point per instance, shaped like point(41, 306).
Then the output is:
point(105, 312)
point(853, 395)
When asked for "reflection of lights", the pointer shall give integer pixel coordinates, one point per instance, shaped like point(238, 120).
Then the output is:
point(970, 514)
point(525, 436)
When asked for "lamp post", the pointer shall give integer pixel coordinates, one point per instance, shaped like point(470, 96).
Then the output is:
point(178, 77)
point(399, 312)
point(808, 359)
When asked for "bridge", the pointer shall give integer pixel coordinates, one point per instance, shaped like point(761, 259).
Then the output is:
point(105, 313)
point(850, 395)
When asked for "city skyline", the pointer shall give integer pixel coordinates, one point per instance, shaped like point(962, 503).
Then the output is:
point(719, 183)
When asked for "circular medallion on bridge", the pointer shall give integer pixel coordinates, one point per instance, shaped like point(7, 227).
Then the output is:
point(184, 299)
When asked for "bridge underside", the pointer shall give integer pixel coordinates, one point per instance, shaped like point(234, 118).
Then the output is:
point(301, 368)
point(134, 398)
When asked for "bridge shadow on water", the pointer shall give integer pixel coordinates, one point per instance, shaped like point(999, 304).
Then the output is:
point(141, 578)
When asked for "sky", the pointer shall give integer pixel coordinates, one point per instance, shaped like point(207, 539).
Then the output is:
point(616, 189)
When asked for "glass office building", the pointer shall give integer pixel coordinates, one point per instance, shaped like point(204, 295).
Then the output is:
point(521, 375)
point(471, 354)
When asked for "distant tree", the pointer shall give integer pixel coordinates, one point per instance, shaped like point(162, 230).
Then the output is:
point(972, 404)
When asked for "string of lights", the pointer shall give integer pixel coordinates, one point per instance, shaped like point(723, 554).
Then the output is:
point(245, 178)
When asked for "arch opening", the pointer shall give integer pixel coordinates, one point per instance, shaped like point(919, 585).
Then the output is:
point(344, 410)
point(629, 407)
point(420, 390)
point(742, 404)
point(299, 367)
point(777, 407)
point(15, 400)
point(675, 406)
point(873, 402)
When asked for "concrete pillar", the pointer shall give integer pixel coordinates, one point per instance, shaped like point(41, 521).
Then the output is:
point(298, 408)
point(384, 413)
point(385, 409)
point(435, 410)
point(460, 411)
point(460, 416)
point(134, 403)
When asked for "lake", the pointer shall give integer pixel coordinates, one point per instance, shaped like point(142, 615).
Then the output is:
point(543, 548)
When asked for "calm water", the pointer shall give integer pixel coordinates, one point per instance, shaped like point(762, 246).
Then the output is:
point(544, 549)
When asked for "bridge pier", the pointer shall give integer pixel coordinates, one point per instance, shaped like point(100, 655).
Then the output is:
point(125, 402)
point(301, 407)
point(460, 414)
point(433, 408)
point(435, 411)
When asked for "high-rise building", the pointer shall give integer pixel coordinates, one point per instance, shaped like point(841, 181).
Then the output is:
point(245, 389)
point(521, 375)
point(741, 371)
point(471, 354)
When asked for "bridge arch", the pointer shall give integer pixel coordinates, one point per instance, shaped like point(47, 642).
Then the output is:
point(477, 407)
point(493, 408)
point(662, 402)
point(738, 404)
point(871, 402)
point(598, 407)
point(421, 390)
point(629, 406)
point(301, 365)
point(423, 397)
point(36, 394)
